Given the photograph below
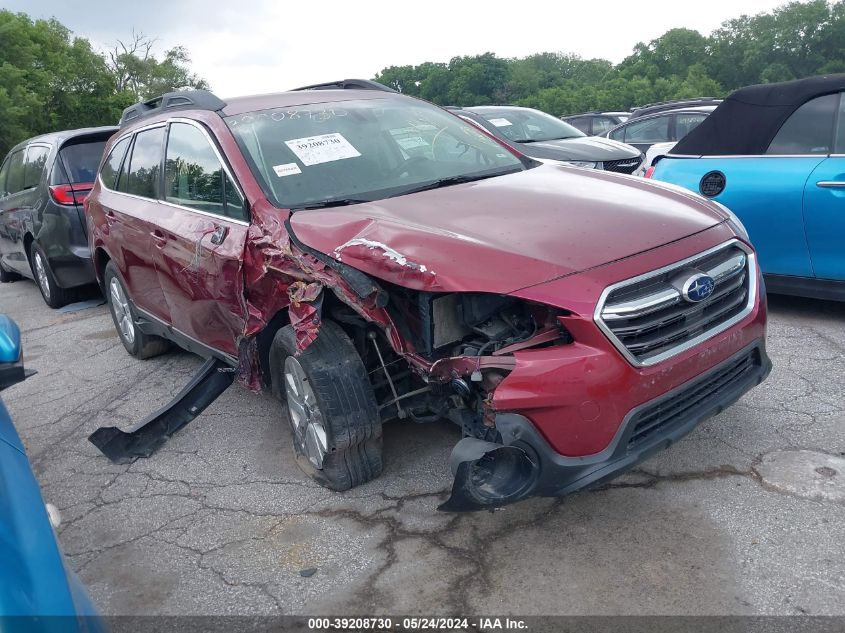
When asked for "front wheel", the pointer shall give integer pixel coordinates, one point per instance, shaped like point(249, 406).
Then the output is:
point(331, 406)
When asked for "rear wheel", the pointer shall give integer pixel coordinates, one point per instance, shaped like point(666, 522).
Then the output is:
point(137, 343)
point(331, 407)
point(54, 295)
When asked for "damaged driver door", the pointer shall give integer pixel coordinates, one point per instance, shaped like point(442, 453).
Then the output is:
point(199, 249)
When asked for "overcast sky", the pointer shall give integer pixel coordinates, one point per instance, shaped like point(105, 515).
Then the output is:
point(256, 46)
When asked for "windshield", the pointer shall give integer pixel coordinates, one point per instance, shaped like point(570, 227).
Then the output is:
point(523, 125)
point(363, 150)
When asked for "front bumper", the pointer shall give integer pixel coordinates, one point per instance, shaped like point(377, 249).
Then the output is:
point(526, 465)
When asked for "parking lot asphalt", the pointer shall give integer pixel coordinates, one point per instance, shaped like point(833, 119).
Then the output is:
point(744, 516)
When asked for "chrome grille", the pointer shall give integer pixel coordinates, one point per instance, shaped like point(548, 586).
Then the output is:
point(649, 319)
point(624, 166)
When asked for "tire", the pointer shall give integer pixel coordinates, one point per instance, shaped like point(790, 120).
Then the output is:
point(123, 314)
point(54, 295)
point(337, 438)
point(7, 276)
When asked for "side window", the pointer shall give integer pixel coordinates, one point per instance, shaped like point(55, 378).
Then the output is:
point(654, 130)
point(122, 183)
point(580, 122)
point(601, 124)
point(618, 134)
point(194, 176)
point(809, 130)
point(111, 166)
point(14, 180)
point(144, 168)
point(33, 167)
point(686, 123)
point(4, 170)
point(839, 148)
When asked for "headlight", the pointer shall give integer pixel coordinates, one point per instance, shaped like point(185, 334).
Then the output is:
point(581, 163)
point(734, 222)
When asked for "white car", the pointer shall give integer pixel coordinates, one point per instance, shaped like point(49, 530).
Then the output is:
point(656, 151)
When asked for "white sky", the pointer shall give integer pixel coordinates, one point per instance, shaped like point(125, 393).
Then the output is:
point(257, 46)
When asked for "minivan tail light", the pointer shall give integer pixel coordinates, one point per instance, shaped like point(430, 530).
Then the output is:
point(650, 171)
point(69, 195)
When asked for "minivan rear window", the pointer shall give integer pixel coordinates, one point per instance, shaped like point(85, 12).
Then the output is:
point(81, 161)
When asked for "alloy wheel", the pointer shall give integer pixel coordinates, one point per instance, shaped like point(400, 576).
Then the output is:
point(120, 308)
point(304, 413)
point(41, 274)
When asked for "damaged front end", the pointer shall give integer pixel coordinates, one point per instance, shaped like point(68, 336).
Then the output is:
point(464, 345)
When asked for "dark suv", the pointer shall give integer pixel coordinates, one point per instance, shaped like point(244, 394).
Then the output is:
point(43, 183)
point(371, 257)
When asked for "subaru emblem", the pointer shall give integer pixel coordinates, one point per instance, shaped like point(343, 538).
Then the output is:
point(698, 287)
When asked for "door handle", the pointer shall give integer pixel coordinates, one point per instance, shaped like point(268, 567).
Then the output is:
point(110, 216)
point(159, 237)
point(220, 233)
point(831, 184)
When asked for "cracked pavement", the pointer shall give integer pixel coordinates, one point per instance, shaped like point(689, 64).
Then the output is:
point(221, 521)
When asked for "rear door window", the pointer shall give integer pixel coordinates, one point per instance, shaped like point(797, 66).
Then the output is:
point(654, 130)
point(194, 176)
point(80, 161)
point(686, 123)
point(145, 165)
point(34, 163)
point(581, 122)
point(14, 179)
point(601, 124)
point(809, 130)
point(111, 166)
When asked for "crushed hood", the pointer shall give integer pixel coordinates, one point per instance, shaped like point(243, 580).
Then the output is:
point(505, 233)
point(592, 148)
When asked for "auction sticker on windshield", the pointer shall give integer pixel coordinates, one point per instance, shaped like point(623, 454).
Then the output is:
point(325, 148)
point(500, 122)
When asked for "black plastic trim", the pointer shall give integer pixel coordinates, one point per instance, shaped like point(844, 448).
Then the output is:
point(348, 84)
point(560, 475)
point(179, 100)
point(807, 287)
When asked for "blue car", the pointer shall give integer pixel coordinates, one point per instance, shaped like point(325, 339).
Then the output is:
point(774, 154)
point(34, 580)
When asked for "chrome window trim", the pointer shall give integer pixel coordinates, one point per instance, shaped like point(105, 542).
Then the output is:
point(219, 156)
point(704, 336)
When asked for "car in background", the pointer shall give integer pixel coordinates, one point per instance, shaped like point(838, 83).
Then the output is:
point(43, 184)
point(652, 157)
point(547, 138)
point(371, 258)
point(676, 104)
point(35, 581)
point(596, 123)
point(775, 155)
point(660, 127)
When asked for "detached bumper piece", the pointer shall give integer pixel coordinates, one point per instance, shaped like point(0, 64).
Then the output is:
point(122, 447)
point(493, 475)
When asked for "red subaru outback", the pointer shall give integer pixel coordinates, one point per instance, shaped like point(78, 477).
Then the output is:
point(371, 257)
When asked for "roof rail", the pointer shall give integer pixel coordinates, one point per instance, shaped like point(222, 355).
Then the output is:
point(349, 84)
point(179, 100)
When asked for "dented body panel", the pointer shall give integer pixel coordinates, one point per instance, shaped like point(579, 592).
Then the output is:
point(505, 233)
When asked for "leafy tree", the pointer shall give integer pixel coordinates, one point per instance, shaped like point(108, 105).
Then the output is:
point(50, 80)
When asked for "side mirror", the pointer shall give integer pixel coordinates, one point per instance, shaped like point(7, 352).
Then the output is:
point(11, 359)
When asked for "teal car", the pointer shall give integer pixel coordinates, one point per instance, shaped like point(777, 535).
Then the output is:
point(38, 591)
point(774, 154)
